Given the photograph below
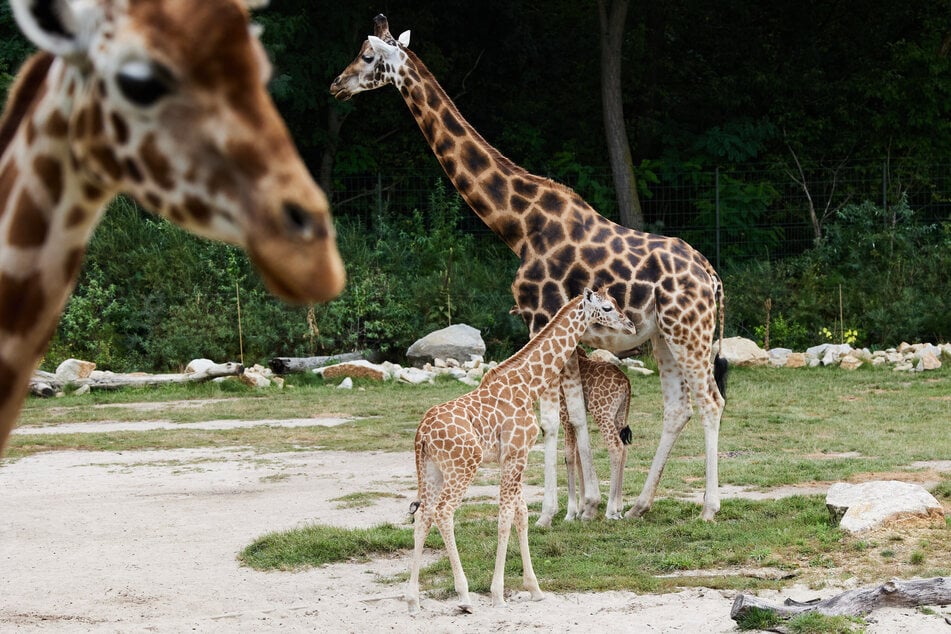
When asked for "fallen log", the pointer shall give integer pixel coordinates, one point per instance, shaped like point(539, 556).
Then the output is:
point(891, 594)
point(112, 381)
point(289, 365)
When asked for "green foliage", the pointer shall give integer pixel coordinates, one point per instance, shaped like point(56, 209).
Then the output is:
point(889, 267)
point(410, 275)
point(170, 298)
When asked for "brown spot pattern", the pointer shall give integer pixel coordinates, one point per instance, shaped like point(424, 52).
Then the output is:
point(29, 226)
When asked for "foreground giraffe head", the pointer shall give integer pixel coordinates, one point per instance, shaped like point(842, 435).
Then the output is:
point(379, 62)
point(165, 100)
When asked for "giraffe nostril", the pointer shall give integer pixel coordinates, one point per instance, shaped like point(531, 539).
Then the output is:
point(298, 220)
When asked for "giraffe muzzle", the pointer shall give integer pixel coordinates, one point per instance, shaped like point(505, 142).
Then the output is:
point(299, 261)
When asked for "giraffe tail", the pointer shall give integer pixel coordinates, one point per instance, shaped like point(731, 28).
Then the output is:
point(721, 366)
point(626, 435)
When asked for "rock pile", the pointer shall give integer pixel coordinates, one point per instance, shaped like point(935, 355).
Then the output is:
point(469, 372)
point(917, 357)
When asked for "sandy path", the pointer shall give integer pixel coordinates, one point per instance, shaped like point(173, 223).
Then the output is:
point(147, 540)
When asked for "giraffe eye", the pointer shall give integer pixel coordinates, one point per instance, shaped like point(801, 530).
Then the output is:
point(368, 58)
point(144, 83)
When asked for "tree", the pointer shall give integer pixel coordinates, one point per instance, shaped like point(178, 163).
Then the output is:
point(611, 19)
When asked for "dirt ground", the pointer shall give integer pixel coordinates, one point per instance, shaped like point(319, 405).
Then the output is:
point(147, 541)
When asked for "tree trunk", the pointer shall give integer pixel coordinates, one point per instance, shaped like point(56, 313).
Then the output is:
point(288, 365)
point(893, 594)
point(612, 18)
point(42, 385)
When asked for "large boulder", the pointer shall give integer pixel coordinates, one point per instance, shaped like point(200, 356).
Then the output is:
point(459, 341)
point(73, 369)
point(860, 507)
point(741, 351)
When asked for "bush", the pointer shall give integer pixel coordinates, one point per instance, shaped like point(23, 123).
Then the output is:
point(881, 270)
point(172, 297)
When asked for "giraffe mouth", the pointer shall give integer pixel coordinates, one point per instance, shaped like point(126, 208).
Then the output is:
point(299, 280)
point(339, 91)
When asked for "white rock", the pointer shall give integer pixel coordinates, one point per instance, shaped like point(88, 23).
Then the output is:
point(415, 376)
point(778, 356)
point(871, 504)
point(72, 369)
point(346, 384)
point(605, 356)
point(741, 351)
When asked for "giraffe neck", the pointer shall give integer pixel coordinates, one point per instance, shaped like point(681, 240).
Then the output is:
point(499, 191)
point(543, 357)
point(47, 213)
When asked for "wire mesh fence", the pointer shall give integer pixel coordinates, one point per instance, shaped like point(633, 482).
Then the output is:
point(731, 214)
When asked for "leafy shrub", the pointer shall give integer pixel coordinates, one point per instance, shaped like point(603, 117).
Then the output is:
point(887, 268)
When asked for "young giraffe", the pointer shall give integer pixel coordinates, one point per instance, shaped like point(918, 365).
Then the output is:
point(607, 396)
point(164, 100)
point(496, 423)
point(668, 289)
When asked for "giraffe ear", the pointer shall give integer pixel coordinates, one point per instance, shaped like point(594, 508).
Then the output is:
point(52, 25)
point(380, 47)
point(404, 39)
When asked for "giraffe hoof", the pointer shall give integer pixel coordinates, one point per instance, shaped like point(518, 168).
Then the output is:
point(636, 511)
point(464, 608)
point(544, 521)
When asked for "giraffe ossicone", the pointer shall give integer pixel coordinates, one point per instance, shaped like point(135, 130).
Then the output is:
point(495, 422)
point(164, 100)
point(669, 290)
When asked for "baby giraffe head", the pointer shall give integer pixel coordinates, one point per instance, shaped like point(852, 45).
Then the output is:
point(600, 308)
point(380, 62)
point(166, 100)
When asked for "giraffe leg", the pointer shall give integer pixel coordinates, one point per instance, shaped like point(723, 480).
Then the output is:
point(467, 455)
point(571, 463)
point(430, 485)
point(618, 449)
point(574, 397)
point(510, 487)
point(549, 409)
point(424, 522)
point(618, 454)
point(529, 580)
point(677, 412)
point(710, 403)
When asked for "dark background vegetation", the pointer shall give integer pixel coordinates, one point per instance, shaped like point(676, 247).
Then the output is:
point(847, 103)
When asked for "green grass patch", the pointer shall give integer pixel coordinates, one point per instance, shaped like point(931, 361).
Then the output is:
point(588, 556)
point(318, 545)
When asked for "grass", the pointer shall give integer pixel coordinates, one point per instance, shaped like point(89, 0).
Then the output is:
point(781, 427)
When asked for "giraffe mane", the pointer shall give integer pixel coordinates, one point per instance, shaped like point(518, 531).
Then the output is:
point(519, 356)
point(506, 163)
point(22, 95)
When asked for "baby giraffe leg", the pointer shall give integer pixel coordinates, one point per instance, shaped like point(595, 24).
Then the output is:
point(572, 467)
point(424, 522)
point(529, 580)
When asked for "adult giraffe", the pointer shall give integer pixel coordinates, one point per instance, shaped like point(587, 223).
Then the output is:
point(668, 289)
point(164, 100)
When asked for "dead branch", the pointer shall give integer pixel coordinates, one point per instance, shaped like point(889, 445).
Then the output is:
point(892, 594)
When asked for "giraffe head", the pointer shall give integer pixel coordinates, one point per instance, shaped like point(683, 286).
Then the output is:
point(378, 63)
point(600, 308)
point(166, 100)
